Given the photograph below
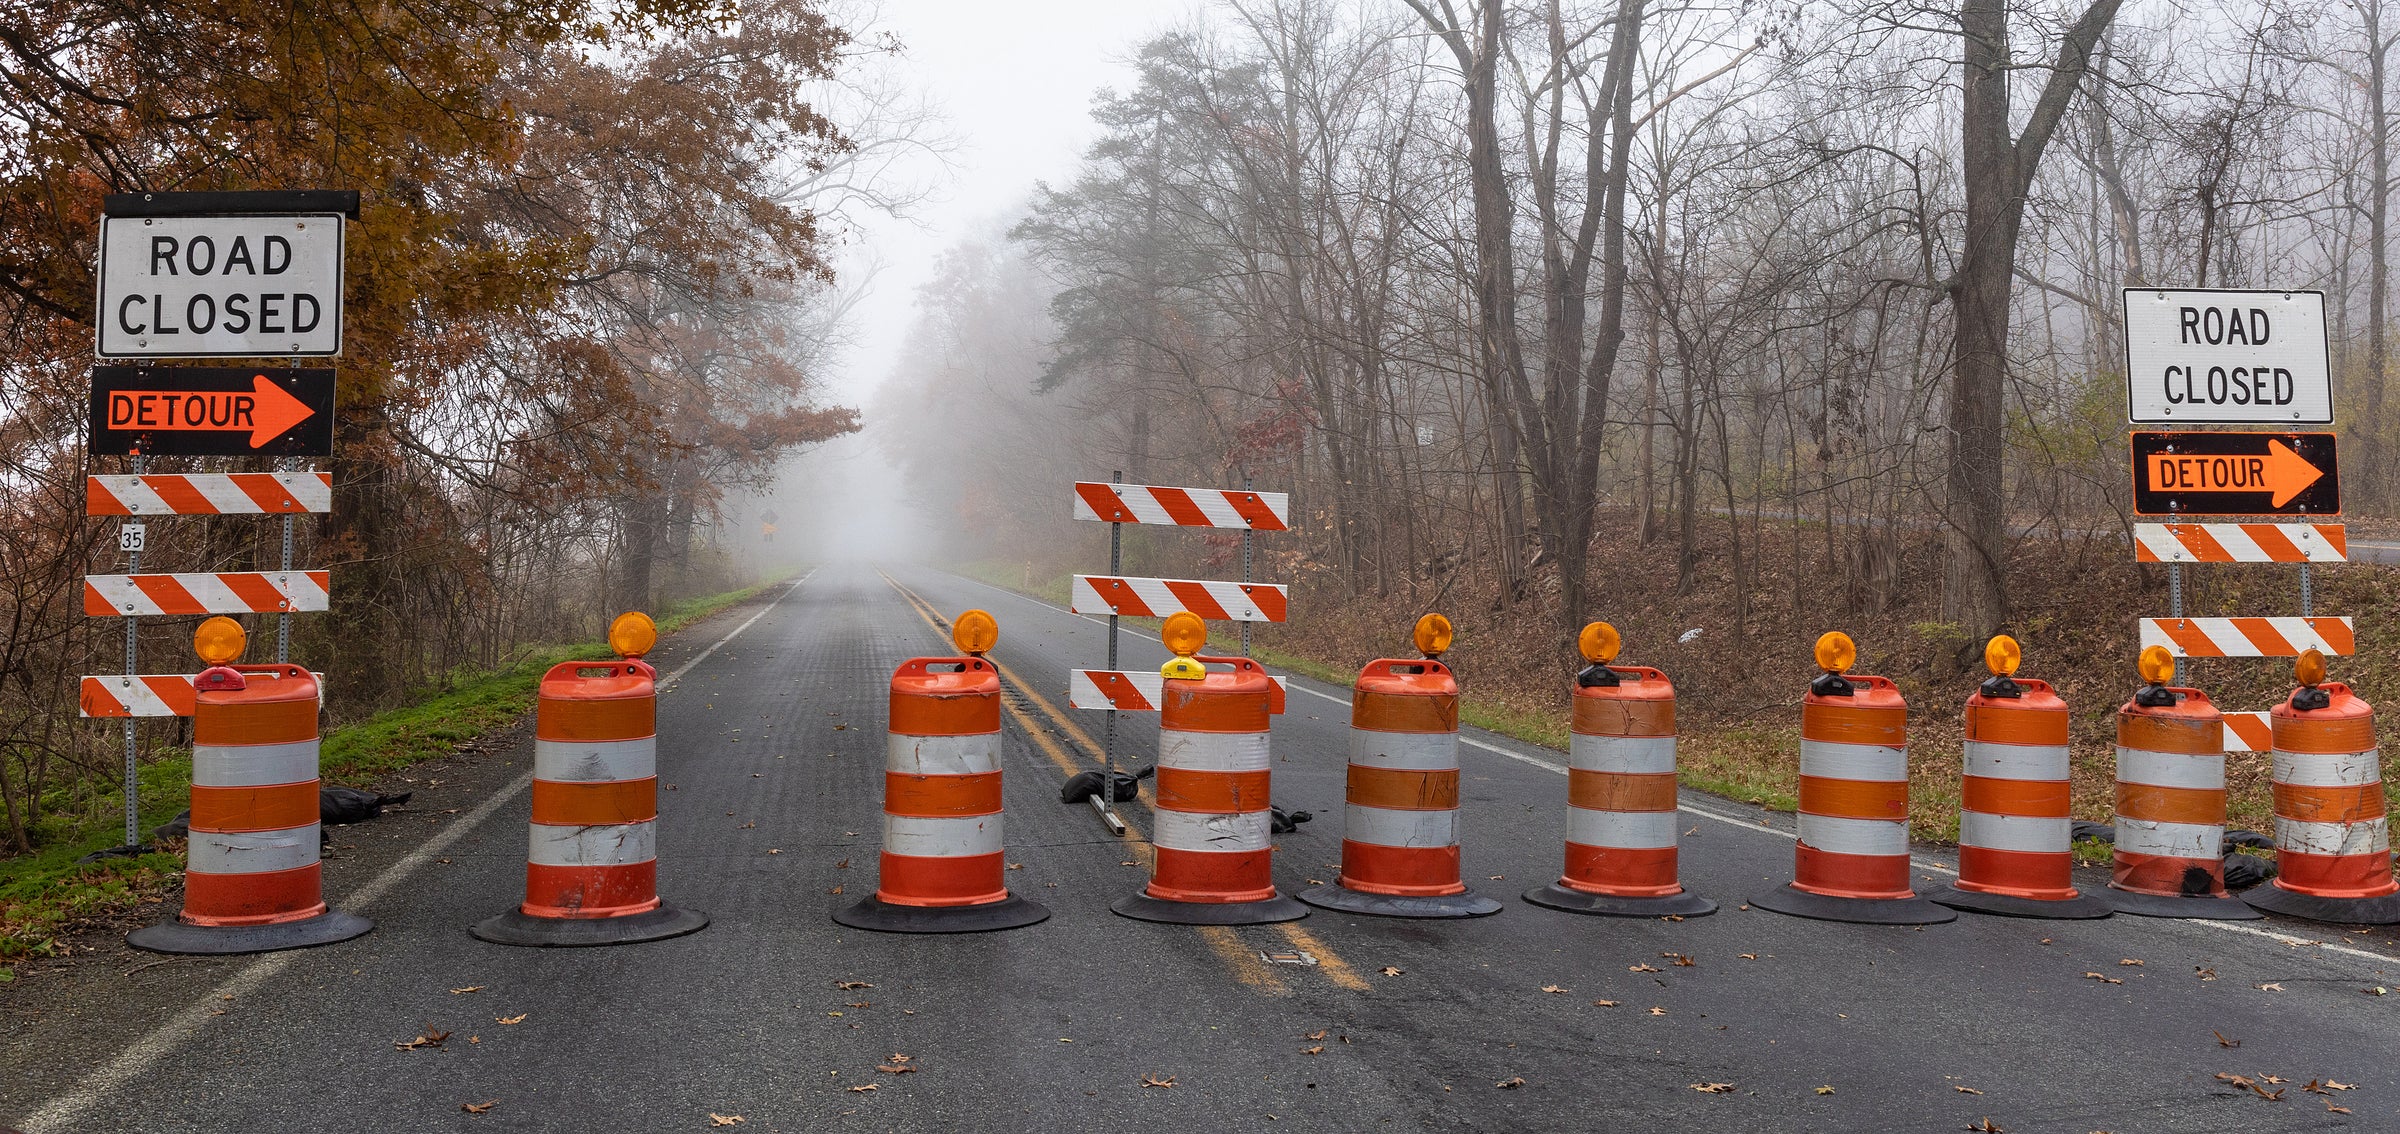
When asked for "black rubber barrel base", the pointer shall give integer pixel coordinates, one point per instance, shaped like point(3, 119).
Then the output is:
point(2273, 898)
point(516, 927)
point(1011, 912)
point(219, 941)
point(1466, 904)
point(1143, 907)
point(2223, 907)
point(1859, 911)
point(2081, 907)
point(1557, 897)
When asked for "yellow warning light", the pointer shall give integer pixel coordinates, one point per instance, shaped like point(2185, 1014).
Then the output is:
point(2309, 668)
point(1433, 635)
point(975, 632)
point(632, 634)
point(2157, 666)
point(1836, 653)
point(2002, 655)
point(1183, 633)
point(219, 641)
point(1599, 643)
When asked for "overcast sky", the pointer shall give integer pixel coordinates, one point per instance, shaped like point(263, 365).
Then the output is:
point(1015, 83)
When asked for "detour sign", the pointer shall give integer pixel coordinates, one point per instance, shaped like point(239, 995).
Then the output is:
point(212, 411)
point(2235, 474)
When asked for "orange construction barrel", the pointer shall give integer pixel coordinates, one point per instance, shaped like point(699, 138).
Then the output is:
point(2333, 850)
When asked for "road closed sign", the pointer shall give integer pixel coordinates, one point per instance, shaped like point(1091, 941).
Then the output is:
point(220, 286)
point(2199, 356)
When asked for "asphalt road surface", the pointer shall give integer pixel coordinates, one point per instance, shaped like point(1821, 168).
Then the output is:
point(772, 738)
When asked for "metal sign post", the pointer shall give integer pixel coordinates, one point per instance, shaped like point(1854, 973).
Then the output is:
point(133, 564)
point(1108, 743)
point(1245, 575)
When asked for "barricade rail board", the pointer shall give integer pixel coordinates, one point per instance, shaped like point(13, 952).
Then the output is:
point(1157, 598)
point(119, 695)
point(2248, 637)
point(226, 592)
point(2249, 732)
point(208, 494)
point(1133, 691)
point(1182, 507)
point(2240, 543)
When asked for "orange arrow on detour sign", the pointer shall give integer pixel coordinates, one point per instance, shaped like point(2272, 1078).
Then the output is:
point(212, 411)
point(2235, 474)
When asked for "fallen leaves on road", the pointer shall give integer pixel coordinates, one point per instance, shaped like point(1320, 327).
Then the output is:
point(478, 1107)
point(1554, 989)
point(2270, 986)
point(1749, 956)
point(865, 1087)
point(2133, 961)
point(2105, 979)
point(2223, 1042)
point(2332, 1109)
point(1965, 1090)
point(1641, 968)
point(2328, 1086)
point(469, 988)
point(847, 985)
point(2204, 973)
point(1317, 1050)
point(432, 1037)
point(1389, 970)
point(1011, 866)
point(519, 1018)
point(1155, 1081)
point(860, 1004)
point(2248, 1084)
point(1604, 1003)
point(1658, 1011)
point(1987, 1126)
point(1827, 1089)
point(1319, 1034)
point(835, 890)
point(1511, 1083)
point(1712, 1088)
point(1681, 961)
point(2378, 990)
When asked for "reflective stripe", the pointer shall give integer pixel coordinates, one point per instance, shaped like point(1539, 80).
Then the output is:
point(1212, 751)
point(1636, 830)
point(620, 845)
point(2170, 769)
point(941, 838)
point(1838, 761)
point(2032, 834)
point(1854, 836)
point(1385, 827)
point(2307, 770)
point(968, 755)
point(1640, 755)
point(1407, 751)
point(2016, 761)
point(2371, 837)
point(589, 761)
point(253, 765)
point(252, 852)
point(2171, 840)
point(1191, 831)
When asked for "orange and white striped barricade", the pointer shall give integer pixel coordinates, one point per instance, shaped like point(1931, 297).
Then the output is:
point(2016, 852)
point(2171, 802)
point(2333, 849)
point(944, 867)
point(1621, 829)
point(591, 867)
point(253, 883)
point(1400, 851)
point(1213, 820)
point(1851, 863)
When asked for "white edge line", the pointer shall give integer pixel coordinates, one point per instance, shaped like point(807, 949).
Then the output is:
point(1749, 825)
point(161, 1041)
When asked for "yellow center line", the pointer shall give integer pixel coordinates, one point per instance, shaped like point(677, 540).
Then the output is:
point(1224, 940)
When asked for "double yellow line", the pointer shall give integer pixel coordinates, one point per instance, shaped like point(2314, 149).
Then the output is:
point(1247, 968)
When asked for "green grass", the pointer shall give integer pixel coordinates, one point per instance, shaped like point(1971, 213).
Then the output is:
point(44, 892)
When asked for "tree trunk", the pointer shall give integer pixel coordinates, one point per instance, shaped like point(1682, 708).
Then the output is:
point(1998, 173)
